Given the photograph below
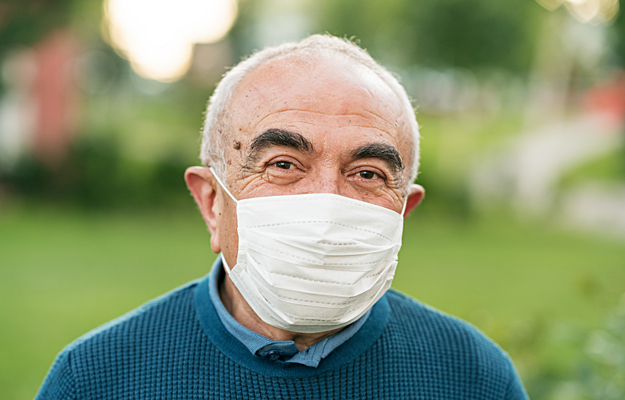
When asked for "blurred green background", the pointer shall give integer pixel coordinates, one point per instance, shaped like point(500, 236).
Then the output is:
point(521, 105)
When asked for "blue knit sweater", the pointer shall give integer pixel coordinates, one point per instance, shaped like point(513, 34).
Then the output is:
point(175, 347)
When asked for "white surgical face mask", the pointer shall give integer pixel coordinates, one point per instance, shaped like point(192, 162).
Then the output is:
point(313, 262)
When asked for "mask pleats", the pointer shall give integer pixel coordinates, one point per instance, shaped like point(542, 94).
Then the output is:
point(317, 262)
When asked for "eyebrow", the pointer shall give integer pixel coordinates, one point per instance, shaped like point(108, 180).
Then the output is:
point(278, 137)
point(382, 151)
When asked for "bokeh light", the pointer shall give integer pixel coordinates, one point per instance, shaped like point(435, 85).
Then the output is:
point(157, 36)
point(550, 4)
point(586, 11)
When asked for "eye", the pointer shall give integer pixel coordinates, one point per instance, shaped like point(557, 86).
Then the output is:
point(284, 170)
point(284, 165)
point(367, 174)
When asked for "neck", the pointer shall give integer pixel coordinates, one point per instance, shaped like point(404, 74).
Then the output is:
point(236, 305)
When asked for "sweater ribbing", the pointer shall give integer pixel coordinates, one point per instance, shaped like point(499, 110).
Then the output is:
point(176, 348)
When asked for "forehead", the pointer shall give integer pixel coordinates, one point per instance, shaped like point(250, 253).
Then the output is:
point(327, 89)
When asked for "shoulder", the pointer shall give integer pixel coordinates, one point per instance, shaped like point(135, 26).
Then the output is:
point(418, 320)
point(165, 310)
point(445, 343)
point(142, 337)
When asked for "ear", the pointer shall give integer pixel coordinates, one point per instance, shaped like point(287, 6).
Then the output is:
point(202, 185)
point(414, 198)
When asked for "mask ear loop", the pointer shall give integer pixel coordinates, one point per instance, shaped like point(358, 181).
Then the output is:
point(225, 264)
point(223, 259)
point(403, 209)
point(222, 184)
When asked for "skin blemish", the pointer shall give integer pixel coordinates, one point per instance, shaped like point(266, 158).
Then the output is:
point(236, 144)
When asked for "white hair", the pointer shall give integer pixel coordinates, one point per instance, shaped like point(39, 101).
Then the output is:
point(216, 125)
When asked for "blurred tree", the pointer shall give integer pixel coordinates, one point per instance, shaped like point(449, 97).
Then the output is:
point(619, 39)
point(439, 33)
point(23, 23)
point(243, 29)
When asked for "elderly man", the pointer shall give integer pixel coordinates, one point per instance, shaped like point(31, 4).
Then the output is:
point(310, 150)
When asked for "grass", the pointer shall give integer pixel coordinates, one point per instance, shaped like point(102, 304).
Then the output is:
point(608, 168)
point(64, 272)
point(513, 270)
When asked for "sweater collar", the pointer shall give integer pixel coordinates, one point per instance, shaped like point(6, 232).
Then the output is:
point(231, 346)
point(284, 350)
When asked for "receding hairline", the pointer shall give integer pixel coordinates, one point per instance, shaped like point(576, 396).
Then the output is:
point(369, 81)
point(311, 61)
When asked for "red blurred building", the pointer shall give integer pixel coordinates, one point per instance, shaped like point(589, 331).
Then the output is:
point(55, 97)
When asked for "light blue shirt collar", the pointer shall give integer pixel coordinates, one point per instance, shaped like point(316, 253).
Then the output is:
point(282, 350)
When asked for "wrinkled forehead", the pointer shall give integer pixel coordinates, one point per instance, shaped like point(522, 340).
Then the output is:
point(325, 83)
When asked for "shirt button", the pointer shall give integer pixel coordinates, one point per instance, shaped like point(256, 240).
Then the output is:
point(273, 355)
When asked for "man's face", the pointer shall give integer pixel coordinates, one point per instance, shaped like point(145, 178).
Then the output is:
point(326, 126)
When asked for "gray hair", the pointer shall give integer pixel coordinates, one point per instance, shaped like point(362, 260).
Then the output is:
point(214, 134)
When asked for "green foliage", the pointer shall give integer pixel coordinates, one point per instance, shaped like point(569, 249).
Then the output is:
point(577, 363)
point(243, 29)
point(610, 167)
point(619, 38)
point(97, 175)
point(25, 22)
point(602, 374)
point(440, 33)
